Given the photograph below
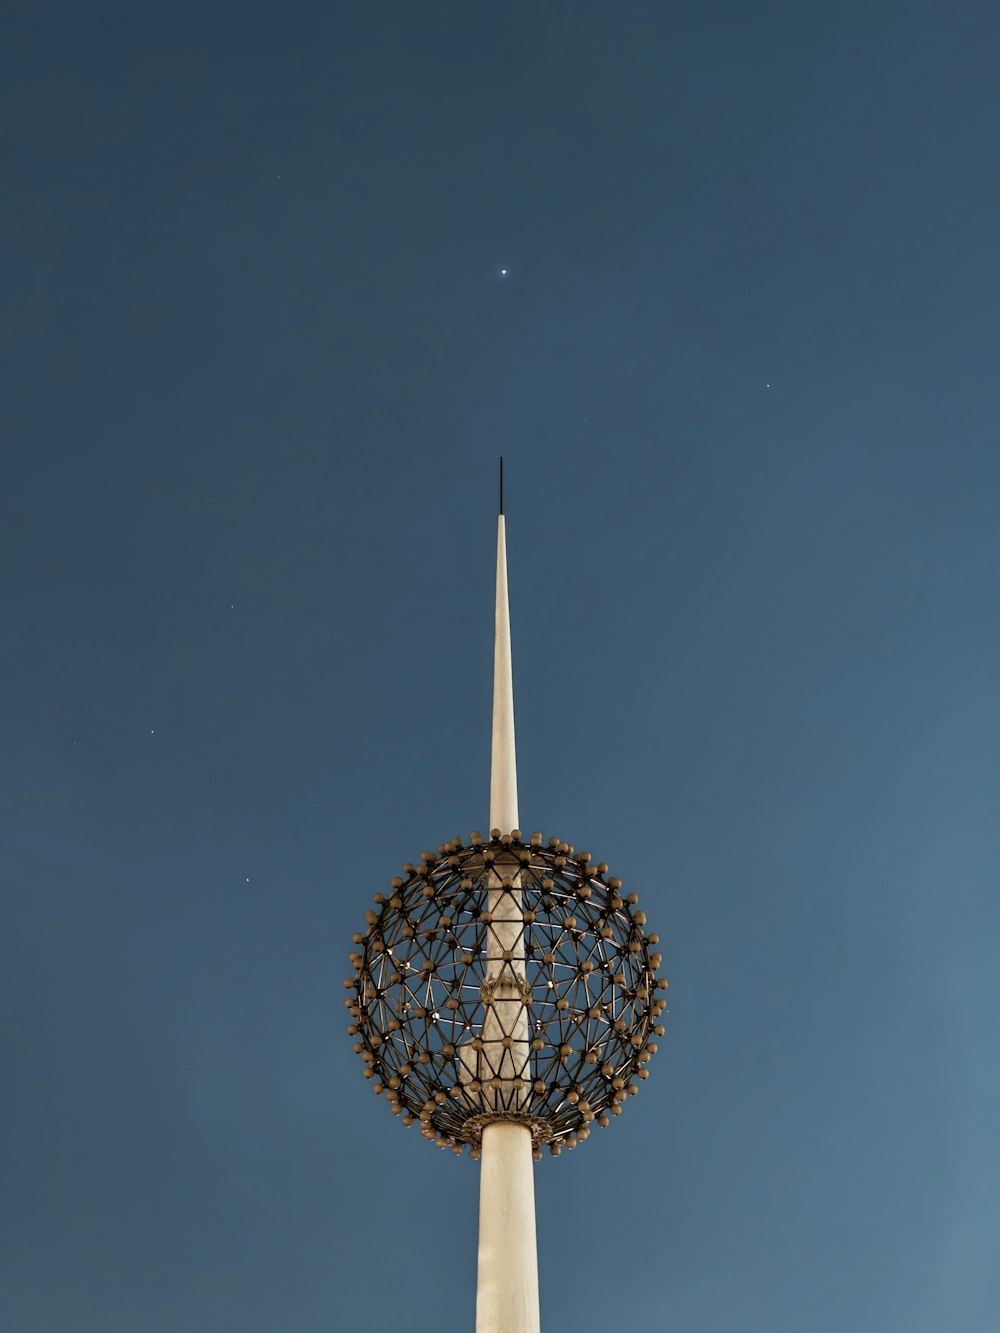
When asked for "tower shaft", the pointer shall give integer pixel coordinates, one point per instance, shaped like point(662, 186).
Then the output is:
point(507, 1284)
point(507, 1288)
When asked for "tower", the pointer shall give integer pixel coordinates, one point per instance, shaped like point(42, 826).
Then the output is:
point(504, 996)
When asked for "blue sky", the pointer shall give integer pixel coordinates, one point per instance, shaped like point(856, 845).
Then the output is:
point(259, 360)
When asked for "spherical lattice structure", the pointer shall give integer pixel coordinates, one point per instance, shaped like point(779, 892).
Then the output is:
point(505, 980)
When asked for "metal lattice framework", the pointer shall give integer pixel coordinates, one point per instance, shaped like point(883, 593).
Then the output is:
point(505, 980)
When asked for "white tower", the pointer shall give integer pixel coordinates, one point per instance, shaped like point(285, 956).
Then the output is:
point(504, 996)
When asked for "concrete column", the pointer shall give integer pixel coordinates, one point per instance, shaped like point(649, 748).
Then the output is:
point(507, 1291)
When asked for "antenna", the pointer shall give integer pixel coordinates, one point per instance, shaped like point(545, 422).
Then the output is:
point(501, 483)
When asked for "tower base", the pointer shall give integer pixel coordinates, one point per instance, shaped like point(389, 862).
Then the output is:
point(507, 1289)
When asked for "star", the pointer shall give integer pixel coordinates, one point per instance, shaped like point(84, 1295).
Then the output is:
point(503, 273)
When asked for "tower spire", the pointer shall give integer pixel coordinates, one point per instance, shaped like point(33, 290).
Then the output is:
point(503, 769)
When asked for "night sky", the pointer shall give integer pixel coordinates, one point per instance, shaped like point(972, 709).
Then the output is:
point(721, 283)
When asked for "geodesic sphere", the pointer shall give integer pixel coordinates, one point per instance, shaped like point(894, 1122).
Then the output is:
point(505, 980)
